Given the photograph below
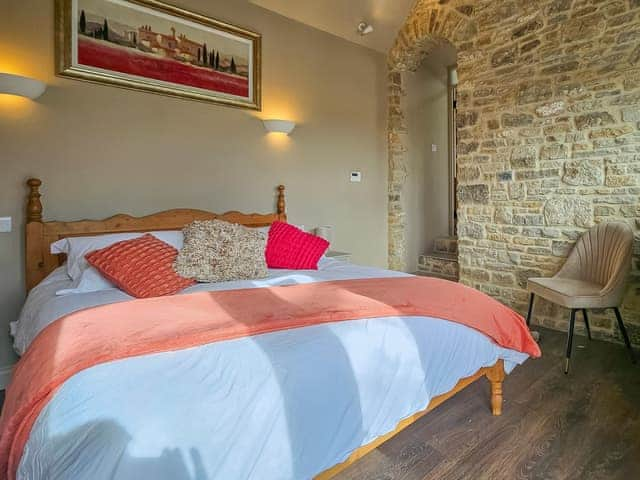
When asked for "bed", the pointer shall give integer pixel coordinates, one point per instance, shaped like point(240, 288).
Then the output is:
point(294, 403)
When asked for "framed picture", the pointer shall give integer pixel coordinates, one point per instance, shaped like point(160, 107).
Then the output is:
point(152, 46)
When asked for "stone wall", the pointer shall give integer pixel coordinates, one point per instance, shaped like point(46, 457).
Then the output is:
point(550, 90)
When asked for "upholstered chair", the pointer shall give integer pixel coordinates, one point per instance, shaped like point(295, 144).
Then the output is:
point(593, 276)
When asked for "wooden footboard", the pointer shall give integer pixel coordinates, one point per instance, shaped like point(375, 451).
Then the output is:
point(495, 374)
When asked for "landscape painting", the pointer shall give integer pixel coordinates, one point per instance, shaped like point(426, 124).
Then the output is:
point(153, 46)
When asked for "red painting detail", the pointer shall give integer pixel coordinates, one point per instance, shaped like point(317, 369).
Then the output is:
point(93, 53)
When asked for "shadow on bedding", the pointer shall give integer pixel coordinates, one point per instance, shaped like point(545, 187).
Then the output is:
point(319, 427)
point(306, 393)
point(107, 441)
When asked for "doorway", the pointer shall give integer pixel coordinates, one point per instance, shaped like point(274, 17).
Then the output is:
point(431, 100)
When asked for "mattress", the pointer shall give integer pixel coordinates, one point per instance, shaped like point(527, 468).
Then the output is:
point(283, 405)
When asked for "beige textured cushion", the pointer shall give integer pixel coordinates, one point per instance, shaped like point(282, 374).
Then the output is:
point(567, 292)
point(217, 251)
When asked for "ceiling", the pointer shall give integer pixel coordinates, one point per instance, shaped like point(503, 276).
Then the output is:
point(341, 17)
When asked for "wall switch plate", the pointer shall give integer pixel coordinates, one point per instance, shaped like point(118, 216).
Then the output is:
point(434, 147)
point(506, 176)
point(5, 224)
point(356, 176)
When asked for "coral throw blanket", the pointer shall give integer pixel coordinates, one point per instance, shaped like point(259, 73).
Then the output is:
point(116, 331)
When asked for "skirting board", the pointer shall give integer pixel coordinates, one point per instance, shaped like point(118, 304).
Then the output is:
point(5, 376)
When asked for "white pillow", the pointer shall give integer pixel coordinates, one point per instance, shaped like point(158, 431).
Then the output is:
point(91, 280)
point(77, 247)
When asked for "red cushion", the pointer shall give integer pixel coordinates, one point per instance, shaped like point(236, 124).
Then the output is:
point(290, 247)
point(142, 267)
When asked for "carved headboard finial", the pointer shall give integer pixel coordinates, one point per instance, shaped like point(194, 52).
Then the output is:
point(34, 207)
point(281, 201)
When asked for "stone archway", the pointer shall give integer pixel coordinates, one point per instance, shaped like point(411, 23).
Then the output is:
point(430, 24)
point(549, 136)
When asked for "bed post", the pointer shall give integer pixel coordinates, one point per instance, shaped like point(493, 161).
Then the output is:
point(495, 374)
point(282, 211)
point(34, 206)
point(34, 261)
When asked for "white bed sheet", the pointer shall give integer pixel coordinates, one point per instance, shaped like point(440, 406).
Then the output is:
point(43, 306)
point(284, 405)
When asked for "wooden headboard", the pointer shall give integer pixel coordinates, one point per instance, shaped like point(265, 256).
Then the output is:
point(39, 262)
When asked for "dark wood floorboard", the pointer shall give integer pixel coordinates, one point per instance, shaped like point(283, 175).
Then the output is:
point(582, 426)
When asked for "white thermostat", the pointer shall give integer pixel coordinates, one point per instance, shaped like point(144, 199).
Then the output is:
point(5, 224)
point(356, 176)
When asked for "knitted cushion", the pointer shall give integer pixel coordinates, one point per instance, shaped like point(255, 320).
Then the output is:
point(218, 251)
point(290, 247)
point(142, 267)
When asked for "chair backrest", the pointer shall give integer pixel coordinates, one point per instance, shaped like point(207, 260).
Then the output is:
point(602, 255)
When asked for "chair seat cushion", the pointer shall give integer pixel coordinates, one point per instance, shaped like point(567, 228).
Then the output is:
point(569, 293)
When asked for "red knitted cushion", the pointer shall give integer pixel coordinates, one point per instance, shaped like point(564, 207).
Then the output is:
point(290, 247)
point(142, 267)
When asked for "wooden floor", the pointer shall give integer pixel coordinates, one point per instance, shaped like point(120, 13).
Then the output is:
point(582, 426)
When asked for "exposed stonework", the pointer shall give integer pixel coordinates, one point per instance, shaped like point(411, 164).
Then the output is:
point(551, 90)
point(442, 262)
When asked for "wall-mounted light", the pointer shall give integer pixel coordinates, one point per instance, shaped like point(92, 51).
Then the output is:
point(279, 126)
point(17, 85)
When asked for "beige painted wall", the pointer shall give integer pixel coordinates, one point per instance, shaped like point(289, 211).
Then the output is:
point(427, 185)
point(102, 150)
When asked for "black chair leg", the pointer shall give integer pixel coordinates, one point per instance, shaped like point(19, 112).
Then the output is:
point(531, 297)
point(572, 322)
point(586, 322)
point(625, 336)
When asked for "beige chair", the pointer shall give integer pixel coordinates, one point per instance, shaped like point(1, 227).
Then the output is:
point(593, 276)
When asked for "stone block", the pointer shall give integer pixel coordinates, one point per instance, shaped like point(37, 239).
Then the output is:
point(504, 56)
point(471, 230)
point(621, 180)
point(593, 119)
point(466, 119)
point(631, 114)
point(528, 219)
point(583, 172)
point(465, 148)
point(532, 92)
point(504, 215)
point(524, 157)
point(569, 211)
point(473, 194)
point(553, 151)
point(470, 173)
point(551, 109)
point(516, 120)
point(527, 28)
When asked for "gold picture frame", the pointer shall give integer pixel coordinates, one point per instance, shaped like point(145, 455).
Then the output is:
point(93, 56)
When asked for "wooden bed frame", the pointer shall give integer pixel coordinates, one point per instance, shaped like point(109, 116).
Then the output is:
point(40, 235)
point(40, 262)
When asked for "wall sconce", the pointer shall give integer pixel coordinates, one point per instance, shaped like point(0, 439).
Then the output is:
point(279, 126)
point(17, 85)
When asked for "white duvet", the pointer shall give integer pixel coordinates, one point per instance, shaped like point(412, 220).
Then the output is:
point(284, 405)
